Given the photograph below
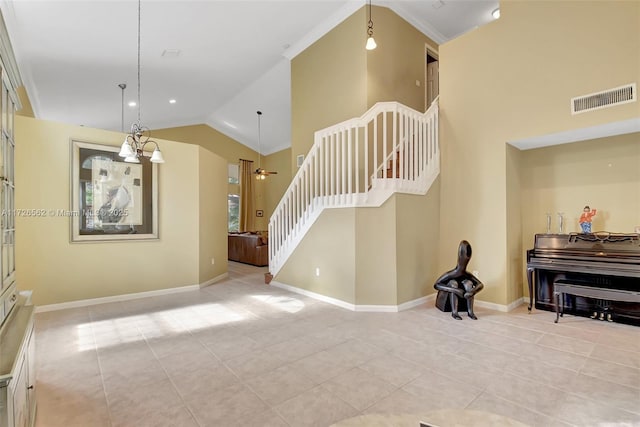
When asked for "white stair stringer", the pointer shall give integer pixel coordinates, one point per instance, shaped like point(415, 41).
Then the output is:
point(336, 172)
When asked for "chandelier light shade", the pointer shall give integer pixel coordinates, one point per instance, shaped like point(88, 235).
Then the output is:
point(132, 148)
point(371, 43)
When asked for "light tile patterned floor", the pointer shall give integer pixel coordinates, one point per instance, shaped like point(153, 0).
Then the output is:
point(244, 353)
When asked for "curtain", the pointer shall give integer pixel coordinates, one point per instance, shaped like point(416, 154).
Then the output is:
point(246, 196)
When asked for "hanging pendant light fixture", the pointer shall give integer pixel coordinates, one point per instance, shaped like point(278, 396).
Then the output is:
point(261, 174)
point(371, 43)
point(122, 87)
point(132, 148)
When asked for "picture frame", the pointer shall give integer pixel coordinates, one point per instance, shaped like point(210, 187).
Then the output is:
point(111, 200)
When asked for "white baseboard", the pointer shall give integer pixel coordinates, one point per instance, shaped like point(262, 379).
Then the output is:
point(115, 298)
point(498, 307)
point(214, 280)
point(416, 302)
point(314, 295)
point(355, 307)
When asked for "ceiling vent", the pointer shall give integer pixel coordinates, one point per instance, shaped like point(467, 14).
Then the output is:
point(608, 98)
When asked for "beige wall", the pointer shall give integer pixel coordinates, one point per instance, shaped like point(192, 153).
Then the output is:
point(275, 185)
point(512, 79)
point(398, 62)
point(371, 256)
point(268, 192)
point(330, 246)
point(515, 254)
point(212, 201)
point(59, 271)
point(209, 138)
point(417, 236)
point(602, 173)
point(328, 83)
point(376, 263)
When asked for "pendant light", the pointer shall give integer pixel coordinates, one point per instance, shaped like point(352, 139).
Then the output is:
point(132, 148)
point(371, 43)
point(261, 174)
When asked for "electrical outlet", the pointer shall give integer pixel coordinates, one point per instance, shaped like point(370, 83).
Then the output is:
point(317, 272)
point(213, 261)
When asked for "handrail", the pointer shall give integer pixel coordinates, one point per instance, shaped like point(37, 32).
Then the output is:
point(335, 172)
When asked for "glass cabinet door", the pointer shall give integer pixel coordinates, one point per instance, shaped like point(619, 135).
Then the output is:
point(7, 198)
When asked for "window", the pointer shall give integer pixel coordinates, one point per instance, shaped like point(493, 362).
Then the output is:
point(234, 212)
point(234, 174)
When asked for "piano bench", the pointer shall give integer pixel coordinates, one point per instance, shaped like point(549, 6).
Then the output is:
point(561, 287)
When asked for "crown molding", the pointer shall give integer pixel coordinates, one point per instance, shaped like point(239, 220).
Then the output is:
point(349, 8)
point(400, 9)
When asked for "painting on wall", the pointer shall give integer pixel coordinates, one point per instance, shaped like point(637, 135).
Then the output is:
point(111, 199)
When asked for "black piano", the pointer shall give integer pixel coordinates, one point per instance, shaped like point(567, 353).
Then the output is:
point(602, 261)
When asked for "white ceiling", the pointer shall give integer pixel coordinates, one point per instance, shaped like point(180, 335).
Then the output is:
point(233, 57)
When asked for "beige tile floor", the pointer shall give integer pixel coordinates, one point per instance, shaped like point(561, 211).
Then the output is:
point(244, 353)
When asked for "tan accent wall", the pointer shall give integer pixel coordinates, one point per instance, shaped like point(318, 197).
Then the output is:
point(417, 236)
point(231, 150)
point(212, 215)
point(26, 109)
point(209, 138)
point(513, 79)
point(602, 173)
point(515, 207)
point(59, 271)
point(398, 62)
point(275, 185)
point(330, 246)
point(376, 262)
point(328, 83)
point(371, 256)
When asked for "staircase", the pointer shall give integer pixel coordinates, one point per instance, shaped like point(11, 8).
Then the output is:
point(352, 164)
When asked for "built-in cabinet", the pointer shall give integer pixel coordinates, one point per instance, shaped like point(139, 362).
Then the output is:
point(17, 342)
point(17, 368)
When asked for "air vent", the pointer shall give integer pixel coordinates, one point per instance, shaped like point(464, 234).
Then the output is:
point(608, 98)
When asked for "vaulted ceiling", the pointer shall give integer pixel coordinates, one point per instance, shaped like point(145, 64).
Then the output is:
point(220, 60)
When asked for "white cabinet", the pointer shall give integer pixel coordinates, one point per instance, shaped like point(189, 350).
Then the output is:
point(17, 369)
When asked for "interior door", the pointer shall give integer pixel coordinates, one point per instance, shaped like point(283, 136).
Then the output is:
point(432, 80)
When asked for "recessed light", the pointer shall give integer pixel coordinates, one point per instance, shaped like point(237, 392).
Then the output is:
point(132, 103)
point(496, 13)
point(172, 101)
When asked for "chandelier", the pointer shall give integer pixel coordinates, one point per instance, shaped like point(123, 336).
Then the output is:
point(132, 148)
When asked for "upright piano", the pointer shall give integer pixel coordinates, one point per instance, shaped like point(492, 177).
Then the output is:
point(602, 261)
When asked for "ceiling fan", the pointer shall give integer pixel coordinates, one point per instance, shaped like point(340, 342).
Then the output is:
point(260, 172)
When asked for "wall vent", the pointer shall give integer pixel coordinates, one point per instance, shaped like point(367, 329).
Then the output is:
point(608, 98)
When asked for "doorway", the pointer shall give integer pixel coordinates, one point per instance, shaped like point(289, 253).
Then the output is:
point(432, 81)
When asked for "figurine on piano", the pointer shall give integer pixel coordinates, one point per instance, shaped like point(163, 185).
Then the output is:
point(586, 218)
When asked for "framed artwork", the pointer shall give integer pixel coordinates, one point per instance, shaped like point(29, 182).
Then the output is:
point(111, 200)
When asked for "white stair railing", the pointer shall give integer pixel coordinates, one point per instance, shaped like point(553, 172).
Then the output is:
point(348, 166)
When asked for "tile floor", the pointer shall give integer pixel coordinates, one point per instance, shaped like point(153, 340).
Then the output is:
point(244, 353)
